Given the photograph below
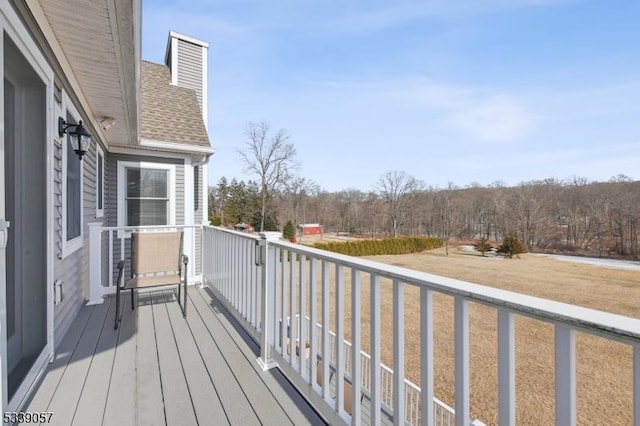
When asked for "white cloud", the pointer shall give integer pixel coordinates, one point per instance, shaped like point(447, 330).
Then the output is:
point(492, 117)
point(495, 119)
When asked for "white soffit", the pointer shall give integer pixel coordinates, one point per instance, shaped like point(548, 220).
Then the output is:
point(100, 42)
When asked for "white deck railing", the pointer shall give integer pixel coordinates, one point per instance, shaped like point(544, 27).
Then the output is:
point(266, 280)
point(111, 244)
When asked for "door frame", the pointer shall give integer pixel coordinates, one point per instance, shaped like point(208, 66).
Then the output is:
point(11, 24)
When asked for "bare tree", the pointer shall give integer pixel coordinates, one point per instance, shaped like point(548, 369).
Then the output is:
point(297, 192)
point(269, 158)
point(396, 188)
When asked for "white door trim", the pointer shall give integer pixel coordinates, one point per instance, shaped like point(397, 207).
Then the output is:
point(11, 24)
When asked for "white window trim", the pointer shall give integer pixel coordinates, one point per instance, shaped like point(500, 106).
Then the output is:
point(71, 246)
point(99, 211)
point(122, 179)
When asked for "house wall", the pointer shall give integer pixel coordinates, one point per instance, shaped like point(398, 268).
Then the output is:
point(111, 205)
point(73, 270)
point(190, 67)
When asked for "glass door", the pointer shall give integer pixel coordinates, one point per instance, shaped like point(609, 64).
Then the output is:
point(24, 194)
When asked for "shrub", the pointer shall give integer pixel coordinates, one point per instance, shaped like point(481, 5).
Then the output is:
point(215, 220)
point(512, 246)
point(289, 231)
point(483, 245)
point(384, 246)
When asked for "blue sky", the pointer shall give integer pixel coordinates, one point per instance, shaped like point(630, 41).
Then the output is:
point(446, 90)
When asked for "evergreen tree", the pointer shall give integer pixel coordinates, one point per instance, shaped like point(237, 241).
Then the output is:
point(512, 246)
point(289, 231)
point(483, 245)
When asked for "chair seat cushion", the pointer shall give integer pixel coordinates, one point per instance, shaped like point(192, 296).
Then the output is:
point(153, 281)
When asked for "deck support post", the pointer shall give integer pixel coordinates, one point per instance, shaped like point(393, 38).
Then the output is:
point(266, 253)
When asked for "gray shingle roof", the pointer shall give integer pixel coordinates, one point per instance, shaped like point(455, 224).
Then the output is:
point(169, 113)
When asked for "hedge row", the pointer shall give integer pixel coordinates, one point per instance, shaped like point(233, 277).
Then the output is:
point(401, 245)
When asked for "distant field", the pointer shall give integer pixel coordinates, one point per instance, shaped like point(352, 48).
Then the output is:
point(604, 368)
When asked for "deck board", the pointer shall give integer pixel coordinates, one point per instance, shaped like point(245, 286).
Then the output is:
point(272, 387)
point(120, 405)
point(150, 407)
point(255, 391)
point(49, 384)
point(232, 395)
point(160, 369)
point(90, 409)
point(204, 396)
point(72, 382)
point(178, 406)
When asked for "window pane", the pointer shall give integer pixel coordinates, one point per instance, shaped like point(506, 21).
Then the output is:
point(74, 193)
point(100, 183)
point(147, 183)
point(147, 212)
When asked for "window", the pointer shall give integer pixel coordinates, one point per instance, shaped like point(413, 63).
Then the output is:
point(72, 195)
point(146, 194)
point(99, 182)
point(147, 198)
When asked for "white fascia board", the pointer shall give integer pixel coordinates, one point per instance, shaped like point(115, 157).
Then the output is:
point(176, 146)
point(177, 35)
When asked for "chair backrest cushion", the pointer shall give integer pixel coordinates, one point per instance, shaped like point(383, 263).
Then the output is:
point(154, 252)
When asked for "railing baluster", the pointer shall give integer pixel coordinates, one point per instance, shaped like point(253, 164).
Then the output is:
point(111, 258)
point(506, 368)
point(294, 309)
point(356, 359)
point(313, 319)
point(636, 385)
point(426, 358)
point(462, 360)
point(123, 255)
point(375, 350)
point(283, 293)
point(565, 369)
point(244, 278)
point(303, 316)
point(399, 413)
point(339, 312)
point(326, 356)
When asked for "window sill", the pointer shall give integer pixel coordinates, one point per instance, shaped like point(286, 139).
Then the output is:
point(70, 247)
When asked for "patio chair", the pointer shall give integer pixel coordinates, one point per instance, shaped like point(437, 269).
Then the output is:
point(156, 261)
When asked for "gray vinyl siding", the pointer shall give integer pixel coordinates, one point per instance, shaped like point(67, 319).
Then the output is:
point(190, 67)
point(111, 206)
point(73, 270)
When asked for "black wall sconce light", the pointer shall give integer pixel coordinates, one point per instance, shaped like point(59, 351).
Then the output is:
point(80, 138)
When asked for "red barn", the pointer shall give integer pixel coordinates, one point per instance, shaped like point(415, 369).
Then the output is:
point(310, 229)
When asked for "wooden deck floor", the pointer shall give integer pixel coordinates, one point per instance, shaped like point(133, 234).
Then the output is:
point(159, 368)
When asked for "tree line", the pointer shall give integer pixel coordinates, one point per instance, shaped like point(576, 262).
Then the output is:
point(574, 215)
point(571, 215)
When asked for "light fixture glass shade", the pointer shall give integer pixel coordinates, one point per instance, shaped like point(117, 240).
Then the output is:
point(78, 136)
point(82, 140)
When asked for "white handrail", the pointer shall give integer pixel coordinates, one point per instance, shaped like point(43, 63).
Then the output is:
point(289, 274)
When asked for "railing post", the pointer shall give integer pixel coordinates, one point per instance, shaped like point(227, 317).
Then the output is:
point(565, 368)
point(95, 264)
point(636, 384)
point(268, 301)
point(506, 368)
point(461, 355)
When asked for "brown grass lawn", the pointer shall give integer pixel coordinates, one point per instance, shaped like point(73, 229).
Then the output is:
point(603, 368)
